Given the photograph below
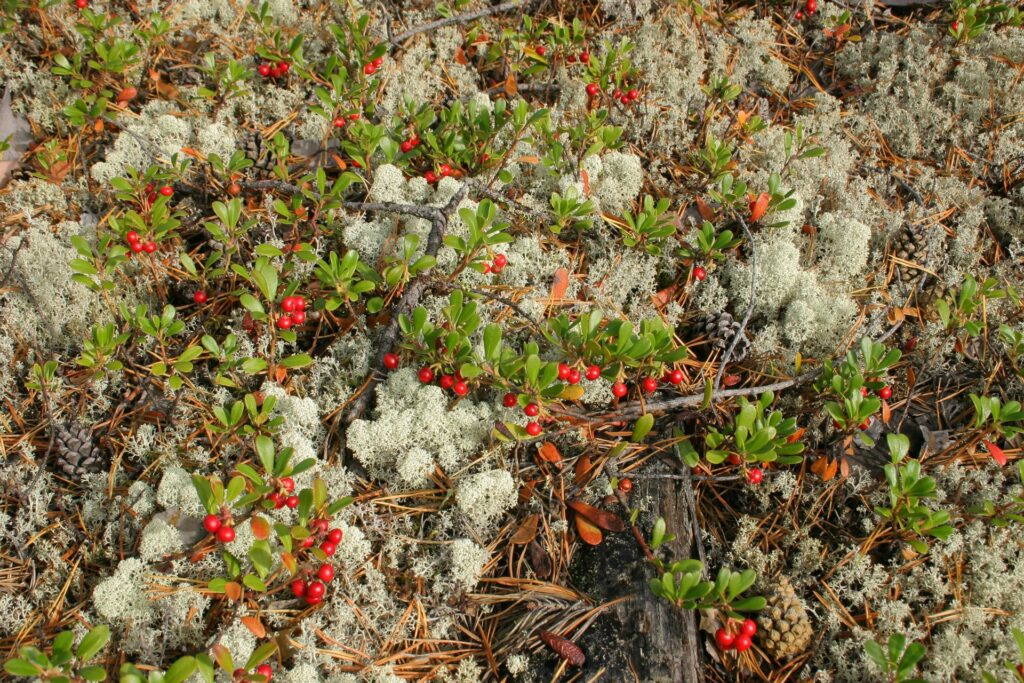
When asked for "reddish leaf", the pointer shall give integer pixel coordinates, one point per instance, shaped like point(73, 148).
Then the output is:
point(886, 412)
point(705, 211)
point(996, 452)
point(526, 492)
point(559, 285)
point(460, 57)
point(540, 560)
point(585, 178)
point(825, 468)
point(526, 532)
point(601, 518)
point(731, 380)
point(233, 590)
point(566, 649)
point(795, 436)
point(588, 532)
point(288, 560)
point(260, 528)
point(549, 453)
point(583, 467)
point(759, 206)
point(254, 625)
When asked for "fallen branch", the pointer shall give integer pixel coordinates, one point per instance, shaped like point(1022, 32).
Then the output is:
point(459, 19)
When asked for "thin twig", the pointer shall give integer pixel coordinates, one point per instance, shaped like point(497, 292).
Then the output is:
point(459, 19)
point(750, 308)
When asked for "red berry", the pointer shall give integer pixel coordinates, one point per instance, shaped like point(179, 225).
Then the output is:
point(150, 198)
point(487, 268)
point(863, 391)
point(277, 499)
point(625, 485)
point(406, 146)
point(288, 484)
point(298, 317)
point(211, 523)
point(334, 536)
point(865, 424)
point(497, 269)
point(167, 190)
point(585, 57)
point(390, 361)
point(649, 384)
point(339, 122)
point(749, 628)
point(81, 4)
point(284, 322)
point(315, 589)
point(624, 99)
point(430, 177)
point(414, 139)
point(292, 501)
point(532, 410)
point(592, 89)
point(593, 372)
point(322, 524)
point(799, 15)
point(633, 94)
point(676, 376)
point(426, 375)
point(288, 304)
point(300, 303)
point(500, 261)
point(307, 542)
point(377, 62)
point(132, 236)
point(282, 67)
point(619, 389)
point(756, 476)
point(460, 389)
point(734, 459)
point(885, 393)
point(446, 170)
point(540, 49)
point(811, 6)
point(199, 297)
point(724, 639)
point(742, 642)
point(298, 588)
point(238, 673)
point(325, 573)
point(328, 547)
point(956, 25)
point(225, 534)
point(135, 246)
point(563, 371)
point(571, 59)
point(509, 400)
point(149, 247)
point(263, 70)
point(446, 381)
point(533, 429)
point(616, 94)
point(574, 376)
point(699, 273)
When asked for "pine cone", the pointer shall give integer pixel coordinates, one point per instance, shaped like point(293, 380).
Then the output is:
point(720, 329)
point(76, 453)
point(784, 626)
point(256, 148)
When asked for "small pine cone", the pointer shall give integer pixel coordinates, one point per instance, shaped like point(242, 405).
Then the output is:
point(784, 627)
point(76, 453)
point(910, 245)
point(256, 148)
point(721, 329)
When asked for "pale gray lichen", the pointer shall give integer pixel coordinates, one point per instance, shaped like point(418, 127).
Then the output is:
point(467, 561)
point(485, 496)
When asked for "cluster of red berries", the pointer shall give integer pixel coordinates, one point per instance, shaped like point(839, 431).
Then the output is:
point(268, 70)
point(497, 265)
point(294, 308)
point(136, 244)
point(625, 98)
point(456, 382)
point(727, 640)
point(410, 144)
point(313, 590)
point(584, 58)
point(443, 172)
point(648, 384)
point(370, 67)
point(151, 191)
point(284, 497)
point(261, 670)
point(809, 8)
point(339, 122)
point(216, 526)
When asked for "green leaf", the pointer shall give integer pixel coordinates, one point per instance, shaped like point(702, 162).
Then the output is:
point(19, 667)
point(261, 654)
point(299, 360)
point(94, 673)
point(265, 451)
point(642, 428)
point(93, 642)
point(180, 670)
